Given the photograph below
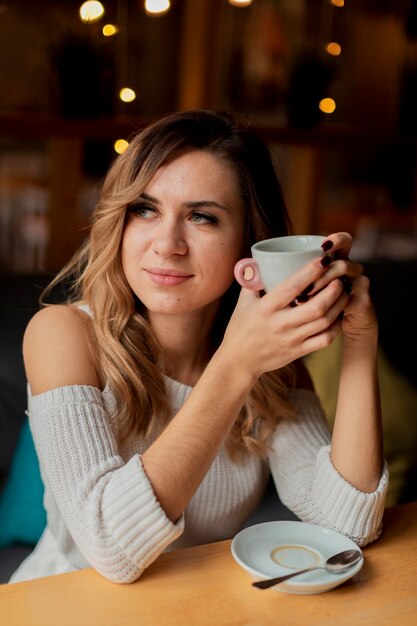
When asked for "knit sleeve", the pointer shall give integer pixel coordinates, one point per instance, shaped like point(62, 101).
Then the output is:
point(108, 506)
point(309, 484)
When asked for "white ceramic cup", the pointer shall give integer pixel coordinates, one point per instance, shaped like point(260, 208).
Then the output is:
point(274, 260)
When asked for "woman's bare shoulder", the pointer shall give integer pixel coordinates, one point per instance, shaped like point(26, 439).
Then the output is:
point(56, 349)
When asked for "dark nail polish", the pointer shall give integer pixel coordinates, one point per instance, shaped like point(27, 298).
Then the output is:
point(327, 245)
point(347, 284)
point(293, 304)
point(326, 260)
point(308, 289)
point(303, 297)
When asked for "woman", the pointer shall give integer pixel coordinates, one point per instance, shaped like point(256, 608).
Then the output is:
point(162, 395)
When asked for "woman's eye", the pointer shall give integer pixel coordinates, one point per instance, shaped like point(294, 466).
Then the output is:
point(204, 218)
point(142, 210)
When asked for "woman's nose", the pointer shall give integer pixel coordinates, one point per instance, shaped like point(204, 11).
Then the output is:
point(169, 239)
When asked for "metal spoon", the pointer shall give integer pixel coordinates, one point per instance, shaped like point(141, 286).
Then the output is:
point(336, 564)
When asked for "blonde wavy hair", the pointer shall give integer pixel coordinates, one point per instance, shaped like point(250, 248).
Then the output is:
point(124, 348)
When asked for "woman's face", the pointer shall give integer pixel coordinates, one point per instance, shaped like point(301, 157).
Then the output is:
point(184, 235)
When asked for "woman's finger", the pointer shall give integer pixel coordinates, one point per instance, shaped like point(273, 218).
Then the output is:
point(324, 339)
point(320, 312)
point(338, 269)
point(338, 244)
point(299, 283)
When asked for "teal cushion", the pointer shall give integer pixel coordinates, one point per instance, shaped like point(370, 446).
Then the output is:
point(22, 516)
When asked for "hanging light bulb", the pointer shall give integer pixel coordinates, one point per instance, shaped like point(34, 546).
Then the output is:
point(338, 3)
point(127, 95)
point(157, 7)
point(334, 48)
point(327, 105)
point(120, 145)
point(91, 11)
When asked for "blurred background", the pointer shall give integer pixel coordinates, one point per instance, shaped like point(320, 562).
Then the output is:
point(330, 84)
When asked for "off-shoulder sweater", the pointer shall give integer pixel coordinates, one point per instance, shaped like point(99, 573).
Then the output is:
point(102, 510)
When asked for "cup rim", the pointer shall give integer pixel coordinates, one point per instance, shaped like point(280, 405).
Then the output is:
point(313, 243)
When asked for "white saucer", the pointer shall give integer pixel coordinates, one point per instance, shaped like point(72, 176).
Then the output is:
point(276, 548)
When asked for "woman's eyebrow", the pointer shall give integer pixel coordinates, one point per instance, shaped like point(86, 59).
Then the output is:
point(192, 204)
point(145, 196)
point(196, 204)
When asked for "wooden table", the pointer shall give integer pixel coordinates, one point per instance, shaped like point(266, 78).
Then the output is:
point(204, 586)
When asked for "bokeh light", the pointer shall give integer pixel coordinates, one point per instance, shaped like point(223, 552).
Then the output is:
point(327, 105)
point(109, 30)
point(240, 3)
point(334, 48)
point(127, 95)
point(91, 11)
point(157, 7)
point(120, 145)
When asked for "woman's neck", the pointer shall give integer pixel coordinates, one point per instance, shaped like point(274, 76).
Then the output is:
point(185, 343)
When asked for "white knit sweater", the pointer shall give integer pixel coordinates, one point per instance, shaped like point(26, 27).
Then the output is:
point(102, 511)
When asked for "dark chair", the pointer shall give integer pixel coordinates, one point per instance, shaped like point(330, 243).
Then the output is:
point(18, 303)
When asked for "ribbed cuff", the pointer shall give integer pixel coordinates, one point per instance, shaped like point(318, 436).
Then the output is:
point(60, 396)
point(135, 517)
point(358, 513)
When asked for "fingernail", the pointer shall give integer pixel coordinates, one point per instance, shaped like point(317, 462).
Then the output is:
point(326, 245)
point(303, 297)
point(341, 316)
point(347, 284)
point(326, 260)
point(293, 303)
point(308, 289)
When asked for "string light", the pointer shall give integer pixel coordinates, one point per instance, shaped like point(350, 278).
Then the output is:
point(91, 11)
point(109, 30)
point(327, 105)
point(120, 145)
point(157, 7)
point(127, 95)
point(334, 48)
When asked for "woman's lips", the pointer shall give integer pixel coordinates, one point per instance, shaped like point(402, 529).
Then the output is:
point(167, 277)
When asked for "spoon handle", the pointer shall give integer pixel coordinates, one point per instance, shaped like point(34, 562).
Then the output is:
point(270, 582)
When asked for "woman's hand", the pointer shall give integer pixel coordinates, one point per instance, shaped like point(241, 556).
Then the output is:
point(359, 314)
point(303, 314)
point(287, 323)
point(356, 449)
